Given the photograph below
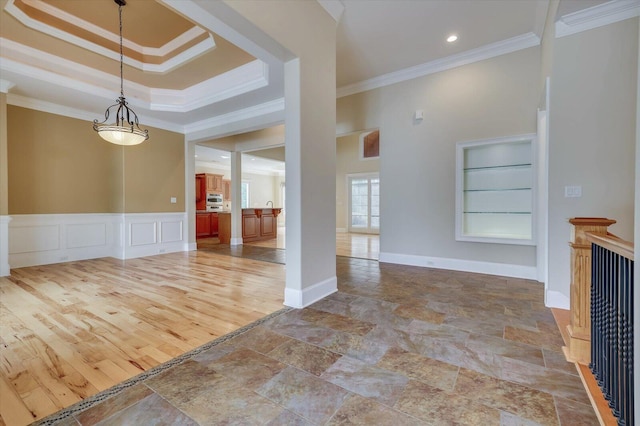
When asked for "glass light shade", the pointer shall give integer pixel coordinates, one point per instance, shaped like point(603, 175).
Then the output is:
point(121, 135)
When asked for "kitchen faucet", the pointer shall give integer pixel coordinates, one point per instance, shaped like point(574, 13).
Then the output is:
point(270, 202)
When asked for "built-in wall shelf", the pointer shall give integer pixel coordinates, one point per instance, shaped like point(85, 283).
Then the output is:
point(494, 184)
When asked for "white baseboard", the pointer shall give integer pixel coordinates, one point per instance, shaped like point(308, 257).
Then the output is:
point(235, 241)
point(44, 239)
point(307, 296)
point(5, 269)
point(190, 246)
point(502, 269)
point(555, 299)
point(341, 230)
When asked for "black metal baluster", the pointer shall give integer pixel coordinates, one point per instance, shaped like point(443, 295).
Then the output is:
point(612, 330)
point(615, 347)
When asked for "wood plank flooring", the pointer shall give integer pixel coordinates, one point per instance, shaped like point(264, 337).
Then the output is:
point(364, 246)
point(70, 330)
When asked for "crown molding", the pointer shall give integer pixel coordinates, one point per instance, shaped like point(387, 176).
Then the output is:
point(53, 108)
point(168, 65)
point(237, 81)
point(335, 8)
point(254, 111)
point(5, 86)
point(246, 78)
point(597, 16)
point(503, 47)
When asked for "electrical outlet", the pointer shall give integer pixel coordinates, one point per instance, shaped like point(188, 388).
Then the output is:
point(572, 191)
point(174, 200)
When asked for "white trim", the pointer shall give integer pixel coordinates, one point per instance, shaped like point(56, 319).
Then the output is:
point(51, 108)
point(502, 269)
point(244, 79)
point(235, 241)
point(5, 268)
point(510, 45)
point(597, 16)
point(460, 179)
point(555, 299)
point(191, 247)
point(5, 86)
point(297, 298)
point(41, 239)
point(341, 230)
point(335, 8)
point(275, 106)
point(168, 65)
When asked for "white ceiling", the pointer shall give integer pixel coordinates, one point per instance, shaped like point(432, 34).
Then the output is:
point(215, 158)
point(374, 38)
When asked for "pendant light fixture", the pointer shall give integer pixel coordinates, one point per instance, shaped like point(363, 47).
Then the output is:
point(125, 130)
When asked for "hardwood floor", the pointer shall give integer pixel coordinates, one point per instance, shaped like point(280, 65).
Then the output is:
point(73, 329)
point(365, 246)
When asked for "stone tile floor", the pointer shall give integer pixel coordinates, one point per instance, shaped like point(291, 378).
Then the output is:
point(396, 345)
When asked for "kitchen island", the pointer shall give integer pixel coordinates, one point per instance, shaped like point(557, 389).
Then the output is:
point(259, 224)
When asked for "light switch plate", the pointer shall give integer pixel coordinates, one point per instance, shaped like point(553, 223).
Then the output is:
point(572, 191)
point(174, 200)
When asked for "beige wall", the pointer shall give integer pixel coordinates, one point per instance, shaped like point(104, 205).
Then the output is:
point(4, 175)
point(491, 98)
point(60, 165)
point(592, 135)
point(154, 172)
point(348, 161)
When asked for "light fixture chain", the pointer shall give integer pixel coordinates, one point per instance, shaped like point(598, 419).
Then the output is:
point(121, 55)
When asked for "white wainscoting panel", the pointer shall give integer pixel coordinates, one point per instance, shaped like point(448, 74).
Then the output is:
point(171, 232)
point(43, 239)
point(147, 234)
point(40, 239)
point(142, 233)
point(86, 235)
point(34, 238)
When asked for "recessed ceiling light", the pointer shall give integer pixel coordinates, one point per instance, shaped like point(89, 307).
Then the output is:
point(224, 156)
point(452, 38)
point(196, 155)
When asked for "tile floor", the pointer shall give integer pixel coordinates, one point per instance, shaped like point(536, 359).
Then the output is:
point(395, 346)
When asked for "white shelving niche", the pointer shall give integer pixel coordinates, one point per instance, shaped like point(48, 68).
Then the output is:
point(495, 190)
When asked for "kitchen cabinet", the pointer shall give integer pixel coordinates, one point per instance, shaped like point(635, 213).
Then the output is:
point(206, 225)
point(214, 183)
point(259, 224)
point(226, 189)
point(224, 230)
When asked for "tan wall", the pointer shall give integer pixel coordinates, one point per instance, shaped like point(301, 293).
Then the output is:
point(60, 165)
point(348, 161)
point(4, 176)
point(154, 172)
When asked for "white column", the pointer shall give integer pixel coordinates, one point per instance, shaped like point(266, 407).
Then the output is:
point(4, 182)
point(5, 269)
point(236, 197)
point(190, 194)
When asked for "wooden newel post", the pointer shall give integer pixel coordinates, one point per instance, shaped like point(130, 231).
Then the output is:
point(579, 349)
